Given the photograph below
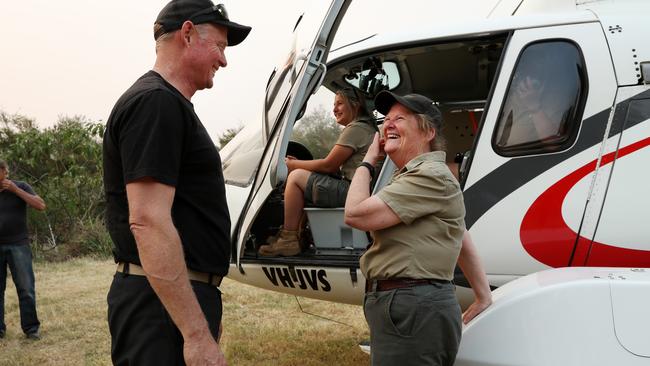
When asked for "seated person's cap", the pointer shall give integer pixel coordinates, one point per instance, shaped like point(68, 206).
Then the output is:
point(176, 12)
point(414, 102)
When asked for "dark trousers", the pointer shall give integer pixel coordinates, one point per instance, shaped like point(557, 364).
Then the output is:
point(19, 260)
point(142, 332)
point(418, 325)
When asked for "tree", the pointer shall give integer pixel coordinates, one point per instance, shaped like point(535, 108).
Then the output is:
point(64, 165)
point(229, 134)
point(318, 131)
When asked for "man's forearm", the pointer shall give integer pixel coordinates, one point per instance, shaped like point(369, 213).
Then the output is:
point(162, 258)
point(32, 200)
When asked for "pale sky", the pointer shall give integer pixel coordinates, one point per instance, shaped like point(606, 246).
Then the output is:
point(76, 57)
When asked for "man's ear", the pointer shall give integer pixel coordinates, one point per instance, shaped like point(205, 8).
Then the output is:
point(186, 33)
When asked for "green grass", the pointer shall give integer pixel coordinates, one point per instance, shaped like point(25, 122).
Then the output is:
point(260, 327)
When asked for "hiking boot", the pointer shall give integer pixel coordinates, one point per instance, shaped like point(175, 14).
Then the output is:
point(273, 238)
point(286, 245)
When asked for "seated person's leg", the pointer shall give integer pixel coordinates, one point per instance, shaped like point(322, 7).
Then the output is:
point(294, 200)
point(326, 191)
point(287, 242)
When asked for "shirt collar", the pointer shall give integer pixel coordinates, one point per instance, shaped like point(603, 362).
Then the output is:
point(436, 156)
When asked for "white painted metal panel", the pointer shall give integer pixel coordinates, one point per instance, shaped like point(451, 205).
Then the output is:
point(625, 24)
point(555, 317)
point(630, 299)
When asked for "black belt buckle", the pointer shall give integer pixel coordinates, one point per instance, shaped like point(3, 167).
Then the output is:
point(125, 269)
point(214, 280)
point(371, 285)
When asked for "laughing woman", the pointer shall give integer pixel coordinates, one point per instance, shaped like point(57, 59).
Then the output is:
point(417, 222)
point(316, 182)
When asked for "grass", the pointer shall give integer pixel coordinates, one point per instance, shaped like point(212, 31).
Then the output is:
point(260, 327)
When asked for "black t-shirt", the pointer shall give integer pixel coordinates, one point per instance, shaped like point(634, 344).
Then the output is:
point(13, 216)
point(154, 132)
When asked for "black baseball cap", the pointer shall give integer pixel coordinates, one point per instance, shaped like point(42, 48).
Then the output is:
point(415, 102)
point(176, 12)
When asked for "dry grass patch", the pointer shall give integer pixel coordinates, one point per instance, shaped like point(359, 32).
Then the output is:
point(260, 327)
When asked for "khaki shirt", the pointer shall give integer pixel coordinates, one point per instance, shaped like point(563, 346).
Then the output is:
point(425, 245)
point(357, 135)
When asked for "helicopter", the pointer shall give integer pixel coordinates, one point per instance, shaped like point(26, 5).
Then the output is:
point(551, 208)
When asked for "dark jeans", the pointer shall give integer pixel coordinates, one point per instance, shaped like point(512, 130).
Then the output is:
point(142, 332)
point(418, 325)
point(19, 260)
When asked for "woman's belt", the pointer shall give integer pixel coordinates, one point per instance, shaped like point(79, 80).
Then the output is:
point(395, 283)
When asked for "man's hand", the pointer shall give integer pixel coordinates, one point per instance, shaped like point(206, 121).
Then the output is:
point(8, 185)
point(203, 350)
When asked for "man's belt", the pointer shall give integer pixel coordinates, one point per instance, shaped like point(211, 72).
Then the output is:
point(395, 283)
point(134, 269)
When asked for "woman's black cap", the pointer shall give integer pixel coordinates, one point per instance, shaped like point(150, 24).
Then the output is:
point(414, 102)
point(176, 12)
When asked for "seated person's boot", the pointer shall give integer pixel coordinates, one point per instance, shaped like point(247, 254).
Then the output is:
point(273, 238)
point(286, 245)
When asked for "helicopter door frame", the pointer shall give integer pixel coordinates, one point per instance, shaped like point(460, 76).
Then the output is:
point(273, 170)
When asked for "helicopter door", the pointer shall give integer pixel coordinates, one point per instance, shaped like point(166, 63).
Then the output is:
point(545, 121)
point(287, 94)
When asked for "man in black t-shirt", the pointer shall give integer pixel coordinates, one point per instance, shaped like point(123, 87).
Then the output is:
point(15, 252)
point(166, 205)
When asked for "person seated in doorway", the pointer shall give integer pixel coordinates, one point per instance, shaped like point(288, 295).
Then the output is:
point(311, 182)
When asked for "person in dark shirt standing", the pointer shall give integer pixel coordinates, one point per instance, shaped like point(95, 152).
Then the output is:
point(15, 252)
point(166, 206)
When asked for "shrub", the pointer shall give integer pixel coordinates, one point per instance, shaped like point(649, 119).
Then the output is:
point(63, 164)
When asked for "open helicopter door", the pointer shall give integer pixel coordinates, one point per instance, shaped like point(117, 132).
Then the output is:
point(545, 121)
point(287, 93)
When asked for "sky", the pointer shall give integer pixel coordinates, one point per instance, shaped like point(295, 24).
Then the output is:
point(76, 57)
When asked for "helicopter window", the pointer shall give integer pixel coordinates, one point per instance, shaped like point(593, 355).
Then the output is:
point(241, 156)
point(374, 76)
point(544, 102)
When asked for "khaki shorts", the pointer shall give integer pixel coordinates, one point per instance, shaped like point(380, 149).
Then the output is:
point(323, 190)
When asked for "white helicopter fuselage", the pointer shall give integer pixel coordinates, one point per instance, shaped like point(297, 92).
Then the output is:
point(567, 197)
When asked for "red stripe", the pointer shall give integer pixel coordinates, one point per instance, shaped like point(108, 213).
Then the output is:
point(546, 237)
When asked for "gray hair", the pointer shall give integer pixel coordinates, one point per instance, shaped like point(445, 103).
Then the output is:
point(200, 29)
point(163, 37)
point(3, 165)
point(425, 123)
